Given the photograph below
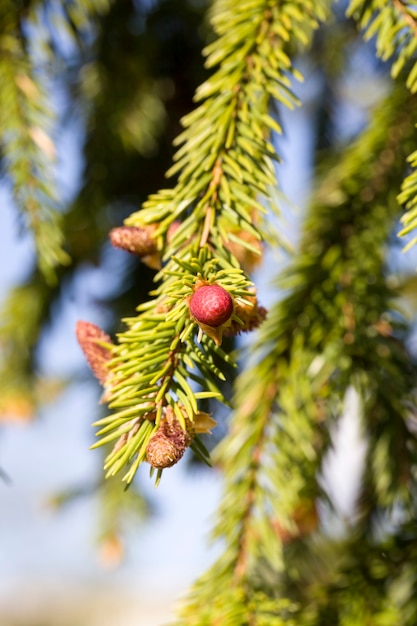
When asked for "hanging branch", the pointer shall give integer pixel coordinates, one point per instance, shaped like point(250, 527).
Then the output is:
point(153, 362)
point(203, 229)
point(394, 25)
point(27, 121)
point(28, 150)
point(333, 330)
point(86, 221)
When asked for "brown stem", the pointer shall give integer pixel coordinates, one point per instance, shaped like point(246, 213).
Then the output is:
point(207, 226)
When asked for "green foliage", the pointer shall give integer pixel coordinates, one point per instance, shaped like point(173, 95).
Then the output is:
point(28, 151)
point(27, 119)
point(394, 25)
point(336, 329)
point(154, 357)
point(408, 198)
point(223, 177)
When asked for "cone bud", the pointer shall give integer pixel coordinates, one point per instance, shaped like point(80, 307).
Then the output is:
point(97, 356)
point(167, 446)
point(139, 241)
point(211, 305)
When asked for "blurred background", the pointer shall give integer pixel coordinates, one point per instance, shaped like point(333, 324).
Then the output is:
point(110, 82)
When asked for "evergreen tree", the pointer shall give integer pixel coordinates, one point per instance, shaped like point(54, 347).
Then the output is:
point(337, 330)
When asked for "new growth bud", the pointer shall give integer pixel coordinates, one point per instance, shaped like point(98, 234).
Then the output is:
point(137, 241)
point(211, 305)
point(167, 446)
point(97, 356)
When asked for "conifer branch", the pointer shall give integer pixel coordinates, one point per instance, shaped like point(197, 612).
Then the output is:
point(28, 150)
point(223, 173)
point(395, 27)
point(198, 226)
point(27, 121)
point(333, 330)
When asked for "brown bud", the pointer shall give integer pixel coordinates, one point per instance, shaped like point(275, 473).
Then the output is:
point(139, 241)
point(167, 446)
point(97, 356)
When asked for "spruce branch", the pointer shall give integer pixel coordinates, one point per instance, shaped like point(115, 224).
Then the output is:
point(223, 175)
point(336, 328)
point(224, 178)
point(28, 150)
point(27, 89)
point(27, 122)
point(394, 25)
point(151, 368)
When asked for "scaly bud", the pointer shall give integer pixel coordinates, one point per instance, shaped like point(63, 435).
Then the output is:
point(88, 336)
point(167, 446)
point(139, 241)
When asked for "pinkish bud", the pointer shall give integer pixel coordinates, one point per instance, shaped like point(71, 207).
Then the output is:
point(211, 305)
point(97, 356)
point(139, 241)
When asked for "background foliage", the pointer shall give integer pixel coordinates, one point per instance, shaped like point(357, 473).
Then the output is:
point(125, 74)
